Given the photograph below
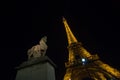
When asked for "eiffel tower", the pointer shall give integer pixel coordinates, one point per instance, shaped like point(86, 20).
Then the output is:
point(82, 65)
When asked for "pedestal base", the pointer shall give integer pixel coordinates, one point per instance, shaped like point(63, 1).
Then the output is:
point(36, 69)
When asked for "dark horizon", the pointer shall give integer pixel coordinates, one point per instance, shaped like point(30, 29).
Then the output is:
point(94, 23)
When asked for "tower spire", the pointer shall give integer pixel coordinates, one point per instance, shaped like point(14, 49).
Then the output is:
point(70, 36)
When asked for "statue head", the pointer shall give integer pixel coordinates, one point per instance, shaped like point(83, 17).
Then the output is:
point(44, 38)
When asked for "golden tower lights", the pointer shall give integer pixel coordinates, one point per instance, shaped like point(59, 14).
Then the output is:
point(82, 64)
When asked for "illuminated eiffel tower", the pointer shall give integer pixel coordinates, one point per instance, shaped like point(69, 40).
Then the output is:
point(82, 65)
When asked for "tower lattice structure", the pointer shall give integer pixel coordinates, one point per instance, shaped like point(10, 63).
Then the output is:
point(81, 64)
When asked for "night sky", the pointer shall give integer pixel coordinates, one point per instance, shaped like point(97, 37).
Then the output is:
point(23, 24)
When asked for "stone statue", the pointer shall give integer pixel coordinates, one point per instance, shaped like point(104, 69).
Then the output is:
point(39, 49)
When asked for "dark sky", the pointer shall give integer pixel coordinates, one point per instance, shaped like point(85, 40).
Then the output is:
point(94, 23)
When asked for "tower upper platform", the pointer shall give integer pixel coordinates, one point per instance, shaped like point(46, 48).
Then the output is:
point(70, 36)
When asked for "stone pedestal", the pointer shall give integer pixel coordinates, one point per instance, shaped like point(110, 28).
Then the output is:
point(41, 68)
